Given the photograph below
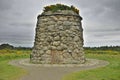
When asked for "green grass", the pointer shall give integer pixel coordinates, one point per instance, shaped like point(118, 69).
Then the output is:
point(7, 71)
point(110, 72)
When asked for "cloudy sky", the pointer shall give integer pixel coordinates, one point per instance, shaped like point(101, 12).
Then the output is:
point(101, 20)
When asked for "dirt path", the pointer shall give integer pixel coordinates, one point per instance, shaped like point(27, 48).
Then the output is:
point(53, 72)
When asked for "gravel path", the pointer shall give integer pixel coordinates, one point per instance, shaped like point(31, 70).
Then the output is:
point(55, 71)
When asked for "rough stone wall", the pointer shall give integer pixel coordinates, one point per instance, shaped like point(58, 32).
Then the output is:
point(58, 39)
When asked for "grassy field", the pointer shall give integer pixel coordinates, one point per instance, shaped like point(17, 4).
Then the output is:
point(110, 72)
point(9, 72)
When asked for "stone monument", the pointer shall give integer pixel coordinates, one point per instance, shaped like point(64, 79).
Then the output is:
point(59, 38)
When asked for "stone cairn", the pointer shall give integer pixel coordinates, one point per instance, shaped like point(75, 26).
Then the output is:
point(58, 39)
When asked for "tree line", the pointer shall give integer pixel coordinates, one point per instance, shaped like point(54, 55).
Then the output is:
point(9, 46)
point(115, 48)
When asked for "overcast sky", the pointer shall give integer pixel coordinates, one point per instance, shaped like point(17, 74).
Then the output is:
point(101, 20)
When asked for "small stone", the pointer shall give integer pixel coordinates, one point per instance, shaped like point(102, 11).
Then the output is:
point(78, 28)
point(53, 47)
point(56, 43)
point(48, 51)
point(63, 18)
point(63, 38)
point(69, 38)
point(67, 27)
point(41, 52)
point(59, 48)
point(67, 23)
point(57, 38)
point(76, 38)
point(41, 39)
point(74, 55)
point(49, 39)
point(51, 28)
point(45, 56)
point(54, 17)
point(61, 28)
point(69, 51)
point(63, 46)
point(68, 31)
point(45, 48)
point(64, 51)
point(44, 19)
point(76, 51)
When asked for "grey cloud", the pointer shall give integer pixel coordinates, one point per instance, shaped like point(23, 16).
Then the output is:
point(116, 29)
point(100, 20)
point(18, 14)
point(107, 34)
point(23, 24)
point(6, 4)
point(104, 9)
point(113, 4)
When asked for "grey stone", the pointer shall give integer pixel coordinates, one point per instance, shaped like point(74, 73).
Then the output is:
point(76, 38)
point(45, 48)
point(59, 38)
point(69, 39)
point(63, 46)
point(56, 43)
point(61, 28)
point(41, 52)
point(53, 47)
point(59, 48)
point(51, 28)
point(48, 52)
point(63, 38)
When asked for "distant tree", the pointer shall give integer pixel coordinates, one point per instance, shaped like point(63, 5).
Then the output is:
point(114, 48)
point(6, 46)
point(23, 48)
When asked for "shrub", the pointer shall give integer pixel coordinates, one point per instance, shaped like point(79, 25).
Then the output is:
point(57, 7)
point(6, 46)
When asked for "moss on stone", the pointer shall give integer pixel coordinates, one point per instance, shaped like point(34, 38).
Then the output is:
point(57, 7)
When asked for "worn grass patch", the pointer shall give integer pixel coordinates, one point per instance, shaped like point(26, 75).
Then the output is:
point(7, 71)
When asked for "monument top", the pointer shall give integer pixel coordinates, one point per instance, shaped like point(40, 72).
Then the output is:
point(59, 7)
